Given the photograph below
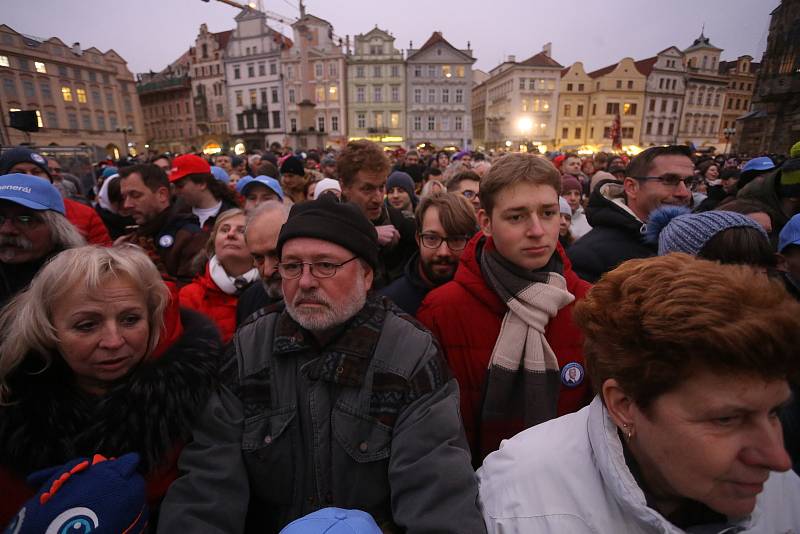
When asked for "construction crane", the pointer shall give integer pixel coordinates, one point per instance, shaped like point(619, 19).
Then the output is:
point(288, 21)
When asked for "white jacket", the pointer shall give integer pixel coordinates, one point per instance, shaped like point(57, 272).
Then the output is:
point(569, 476)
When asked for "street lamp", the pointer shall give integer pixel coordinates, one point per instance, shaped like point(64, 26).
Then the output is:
point(125, 130)
point(728, 133)
point(525, 126)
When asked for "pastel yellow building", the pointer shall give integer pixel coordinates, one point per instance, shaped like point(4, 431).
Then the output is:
point(573, 108)
point(617, 90)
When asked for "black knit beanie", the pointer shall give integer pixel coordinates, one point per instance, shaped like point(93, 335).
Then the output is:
point(329, 220)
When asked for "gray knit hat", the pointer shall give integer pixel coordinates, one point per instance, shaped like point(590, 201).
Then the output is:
point(677, 229)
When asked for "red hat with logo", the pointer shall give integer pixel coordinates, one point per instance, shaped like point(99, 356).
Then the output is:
point(186, 165)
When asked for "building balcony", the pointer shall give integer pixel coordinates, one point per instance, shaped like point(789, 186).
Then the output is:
point(378, 130)
point(166, 84)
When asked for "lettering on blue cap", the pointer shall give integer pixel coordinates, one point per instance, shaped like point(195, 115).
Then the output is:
point(19, 188)
point(572, 375)
point(166, 241)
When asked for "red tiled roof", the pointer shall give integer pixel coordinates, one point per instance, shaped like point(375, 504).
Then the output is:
point(434, 39)
point(564, 71)
point(223, 38)
point(541, 60)
point(602, 72)
point(645, 66)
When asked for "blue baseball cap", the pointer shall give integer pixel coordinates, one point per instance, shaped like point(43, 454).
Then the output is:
point(759, 164)
point(790, 235)
point(333, 521)
point(32, 192)
point(220, 174)
point(271, 183)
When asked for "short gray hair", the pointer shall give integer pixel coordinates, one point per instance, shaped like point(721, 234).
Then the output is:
point(26, 321)
point(270, 206)
point(62, 232)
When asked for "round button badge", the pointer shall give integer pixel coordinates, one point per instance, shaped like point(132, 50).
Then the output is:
point(572, 375)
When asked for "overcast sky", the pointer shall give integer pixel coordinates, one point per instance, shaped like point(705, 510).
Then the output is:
point(149, 34)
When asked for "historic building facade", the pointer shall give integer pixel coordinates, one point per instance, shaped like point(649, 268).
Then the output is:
point(168, 108)
point(741, 77)
point(439, 94)
point(664, 93)
point(705, 95)
point(773, 124)
point(617, 93)
point(572, 121)
point(255, 92)
point(315, 73)
point(376, 90)
point(522, 102)
point(80, 97)
point(208, 87)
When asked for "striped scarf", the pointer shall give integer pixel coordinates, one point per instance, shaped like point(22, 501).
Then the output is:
point(523, 381)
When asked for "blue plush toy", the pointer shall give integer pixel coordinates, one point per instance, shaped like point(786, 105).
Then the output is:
point(95, 495)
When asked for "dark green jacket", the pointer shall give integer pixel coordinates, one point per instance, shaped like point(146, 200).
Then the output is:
point(370, 421)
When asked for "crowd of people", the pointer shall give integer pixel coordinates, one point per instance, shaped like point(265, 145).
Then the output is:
point(400, 341)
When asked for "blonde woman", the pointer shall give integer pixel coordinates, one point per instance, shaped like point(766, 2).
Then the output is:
point(96, 357)
point(228, 272)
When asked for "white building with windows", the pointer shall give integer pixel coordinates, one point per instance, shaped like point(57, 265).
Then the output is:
point(254, 86)
point(314, 73)
point(439, 94)
point(705, 95)
point(522, 102)
point(376, 91)
point(664, 93)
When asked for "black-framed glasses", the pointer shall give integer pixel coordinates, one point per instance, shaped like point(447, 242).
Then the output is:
point(469, 194)
point(21, 221)
point(319, 269)
point(670, 180)
point(454, 242)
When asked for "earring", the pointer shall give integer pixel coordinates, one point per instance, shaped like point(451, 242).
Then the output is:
point(628, 430)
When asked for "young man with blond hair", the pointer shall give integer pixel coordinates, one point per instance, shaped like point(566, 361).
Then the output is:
point(505, 321)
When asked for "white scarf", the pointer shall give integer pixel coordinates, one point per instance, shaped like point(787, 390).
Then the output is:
point(230, 285)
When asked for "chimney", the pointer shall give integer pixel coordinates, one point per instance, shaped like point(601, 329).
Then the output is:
point(512, 58)
point(548, 49)
point(76, 49)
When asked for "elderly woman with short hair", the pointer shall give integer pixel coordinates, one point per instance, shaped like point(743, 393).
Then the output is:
point(690, 360)
point(97, 358)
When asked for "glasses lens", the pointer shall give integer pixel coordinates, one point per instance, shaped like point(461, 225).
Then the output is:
point(456, 243)
point(431, 240)
point(323, 269)
point(469, 194)
point(290, 270)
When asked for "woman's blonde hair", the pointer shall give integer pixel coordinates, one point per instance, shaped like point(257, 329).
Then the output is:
point(26, 322)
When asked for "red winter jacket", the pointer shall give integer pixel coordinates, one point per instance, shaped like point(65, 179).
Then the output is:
point(465, 315)
point(88, 223)
point(206, 297)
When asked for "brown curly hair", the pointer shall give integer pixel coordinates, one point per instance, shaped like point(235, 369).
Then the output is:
point(361, 155)
point(651, 323)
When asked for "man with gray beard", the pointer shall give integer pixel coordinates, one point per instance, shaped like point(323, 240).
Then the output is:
point(338, 400)
point(261, 236)
point(33, 229)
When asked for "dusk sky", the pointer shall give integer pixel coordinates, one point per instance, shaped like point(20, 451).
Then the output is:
point(149, 34)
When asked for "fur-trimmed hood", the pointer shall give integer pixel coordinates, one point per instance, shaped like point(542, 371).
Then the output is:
point(151, 411)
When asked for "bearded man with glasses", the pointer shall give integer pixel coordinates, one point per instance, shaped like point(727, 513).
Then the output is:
point(338, 399)
point(445, 223)
point(618, 212)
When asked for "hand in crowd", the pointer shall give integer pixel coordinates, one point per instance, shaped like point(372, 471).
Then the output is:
point(387, 235)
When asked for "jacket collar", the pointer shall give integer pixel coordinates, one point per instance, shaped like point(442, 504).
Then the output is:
point(469, 275)
point(620, 482)
point(607, 207)
point(345, 359)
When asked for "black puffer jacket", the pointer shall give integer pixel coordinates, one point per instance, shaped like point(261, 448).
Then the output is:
point(616, 236)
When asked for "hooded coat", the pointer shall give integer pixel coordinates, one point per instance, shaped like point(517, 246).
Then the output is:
point(465, 315)
point(206, 297)
point(150, 411)
point(617, 235)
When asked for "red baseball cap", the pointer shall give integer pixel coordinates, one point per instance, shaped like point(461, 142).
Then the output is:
point(186, 165)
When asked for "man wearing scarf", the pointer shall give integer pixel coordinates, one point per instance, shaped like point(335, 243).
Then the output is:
point(505, 321)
